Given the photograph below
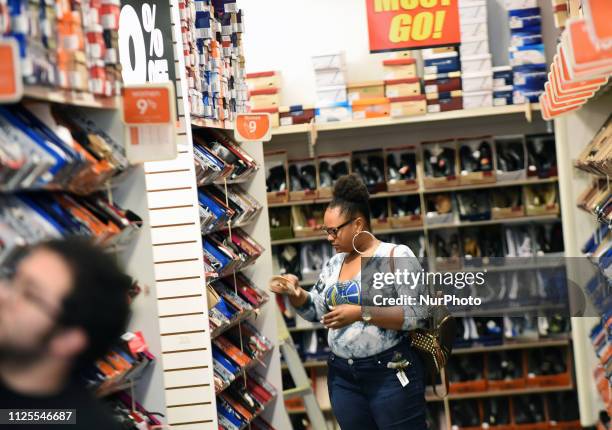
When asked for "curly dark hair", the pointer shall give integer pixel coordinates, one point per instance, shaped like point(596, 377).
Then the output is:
point(352, 197)
point(98, 302)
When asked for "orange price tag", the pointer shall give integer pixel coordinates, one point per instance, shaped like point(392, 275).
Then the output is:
point(253, 127)
point(149, 111)
point(598, 14)
point(147, 104)
point(584, 58)
point(11, 87)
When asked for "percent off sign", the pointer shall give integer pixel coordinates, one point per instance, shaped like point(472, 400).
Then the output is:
point(139, 28)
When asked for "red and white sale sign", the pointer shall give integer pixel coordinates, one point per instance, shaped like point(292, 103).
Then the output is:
point(396, 25)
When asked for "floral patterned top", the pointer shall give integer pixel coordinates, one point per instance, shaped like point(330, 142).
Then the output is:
point(359, 339)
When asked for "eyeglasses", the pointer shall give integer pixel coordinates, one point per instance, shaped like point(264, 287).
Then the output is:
point(333, 231)
point(26, 290)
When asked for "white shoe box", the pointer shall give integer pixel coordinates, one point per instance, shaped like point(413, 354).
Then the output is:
point(476, 63)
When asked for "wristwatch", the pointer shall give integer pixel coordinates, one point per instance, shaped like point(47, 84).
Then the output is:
point(366, 316)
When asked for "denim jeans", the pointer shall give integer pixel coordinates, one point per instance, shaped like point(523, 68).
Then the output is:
point(366, 395)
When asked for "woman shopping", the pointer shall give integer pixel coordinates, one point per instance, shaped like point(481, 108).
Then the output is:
point(376, 379)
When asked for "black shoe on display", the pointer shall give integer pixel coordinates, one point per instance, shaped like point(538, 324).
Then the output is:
point(510, 197)
point(392, 168)
point(276, 180)
point(445, 165)
point(377, 168)
point(405, 206)
point(294, 178)
point(549, 238)
point(440, 163)
point(308, 176)
point(511, 157)
point(288, 260)
point(408, 166)
point(442, 249)
point(505, 366)
point(325, 175)
point(469, 159)
point(465, 413)
point(542, 155)
point(339, 169)
point(378, 209)
point(491, 242)
point(360, 170)
point(547, 361)
point(496, 411)
point(528, 409)
point(466, 367)
point(563, 406)
point(485, 159)
point(474, 205)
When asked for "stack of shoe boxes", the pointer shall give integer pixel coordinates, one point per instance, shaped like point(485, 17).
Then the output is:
point(402, 86)
point(527, 56)
point(330, 79)
point(502, 85)
point(264, 92)
point(442, 76)
point(476, 73)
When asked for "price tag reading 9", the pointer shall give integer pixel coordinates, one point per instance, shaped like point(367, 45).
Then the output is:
point(253, 127)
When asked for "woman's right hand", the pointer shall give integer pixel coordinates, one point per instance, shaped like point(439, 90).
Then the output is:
point(288, 285)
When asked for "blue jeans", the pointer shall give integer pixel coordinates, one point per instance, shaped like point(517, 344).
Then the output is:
point(366, 395)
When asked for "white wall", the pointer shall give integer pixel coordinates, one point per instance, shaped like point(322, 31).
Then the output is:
point(282, 35)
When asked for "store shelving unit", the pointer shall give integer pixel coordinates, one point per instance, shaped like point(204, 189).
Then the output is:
point(70, 98)
point(426, 227)
point(525, 109)
point(387, 132)
point(207, 123)
point(573, 132)
point(387, 194)
point(186, 387)
point(136, 258)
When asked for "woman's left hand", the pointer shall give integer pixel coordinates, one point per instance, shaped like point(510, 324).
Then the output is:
point(341, 316)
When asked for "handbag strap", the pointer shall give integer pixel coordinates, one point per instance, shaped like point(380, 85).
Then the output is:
point(392, 261)
point(444, 379)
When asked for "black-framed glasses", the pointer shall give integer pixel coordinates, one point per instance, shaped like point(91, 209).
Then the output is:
point(333, 231)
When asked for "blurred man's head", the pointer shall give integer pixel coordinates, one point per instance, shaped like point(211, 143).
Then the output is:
point(66, 302)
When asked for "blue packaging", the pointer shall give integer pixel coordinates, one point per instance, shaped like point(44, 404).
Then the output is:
point(520, 97)
point(529, 77)
point(525, 20)
point(503, 96)
point(335, 112)
point(521, 13)
point(444, 64)
point(524, 38)
point(529, 54)
point(502, 76)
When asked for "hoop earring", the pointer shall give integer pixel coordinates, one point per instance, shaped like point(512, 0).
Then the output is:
point(355, 237)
